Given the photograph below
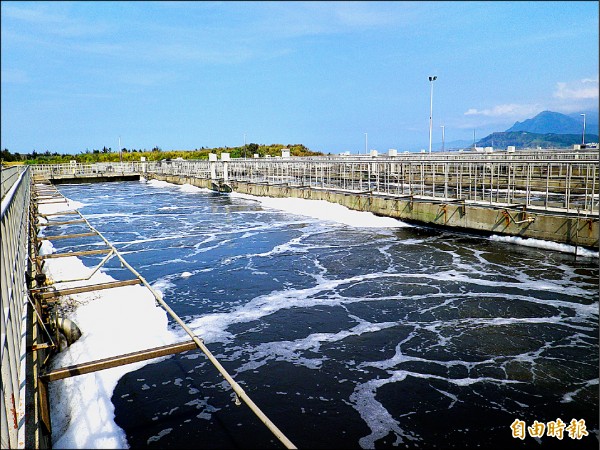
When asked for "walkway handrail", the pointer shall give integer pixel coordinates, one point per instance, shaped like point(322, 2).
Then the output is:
point(15, 242)
point(9, 177)
point(552, 180)
point(569, 186)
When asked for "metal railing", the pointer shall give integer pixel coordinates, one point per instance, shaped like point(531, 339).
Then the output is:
point(552, 180)
point(9, 176)
point(15, 241)
point(558, 182)
point(562, 184)
point(79, 170)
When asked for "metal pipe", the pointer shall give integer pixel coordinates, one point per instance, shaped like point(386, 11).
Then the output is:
point(68, 328)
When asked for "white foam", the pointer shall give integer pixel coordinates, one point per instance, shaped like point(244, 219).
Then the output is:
point(161, 434)
point(570, 396)
point(547, 245)
point(160, 184)
point(292, 351)
point(113, 322)
point(194, 189)
point(324, 210)
point(378, 418)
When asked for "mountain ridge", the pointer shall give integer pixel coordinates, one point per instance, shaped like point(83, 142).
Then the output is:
point(525, 139)
point(547, 129)
point(549, 122)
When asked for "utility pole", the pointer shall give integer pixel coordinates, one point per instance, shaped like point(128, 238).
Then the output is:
point(431, 80)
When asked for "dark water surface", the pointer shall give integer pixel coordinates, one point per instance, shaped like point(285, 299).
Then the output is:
point(349, 337)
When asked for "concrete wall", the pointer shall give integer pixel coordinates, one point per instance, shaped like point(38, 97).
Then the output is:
point(480, 218)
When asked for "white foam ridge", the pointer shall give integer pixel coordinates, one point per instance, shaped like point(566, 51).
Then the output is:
point(317, 209)
point(160, 184)
point(113, 322)
point(194, 189)
point(324, 210)
point(547, 245)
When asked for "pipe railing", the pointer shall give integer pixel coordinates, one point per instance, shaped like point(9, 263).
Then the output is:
point(75, 169)
point(9, 176)
point(560, 180)
point(15, 241)
point(568, 185)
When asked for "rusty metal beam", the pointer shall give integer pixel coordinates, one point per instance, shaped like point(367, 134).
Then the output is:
point(59, 213)
point(66, 236)
point(115, 361)
point(56, 201)
point(53, 295)
point(44, 405)
point(80, 253)
point(50, 223)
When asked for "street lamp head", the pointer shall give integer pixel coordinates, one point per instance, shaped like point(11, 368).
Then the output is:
point(432, 78)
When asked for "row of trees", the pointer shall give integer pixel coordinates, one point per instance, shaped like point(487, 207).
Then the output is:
point(156, 154)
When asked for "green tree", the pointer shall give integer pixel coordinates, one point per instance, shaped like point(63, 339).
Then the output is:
point(7, 156)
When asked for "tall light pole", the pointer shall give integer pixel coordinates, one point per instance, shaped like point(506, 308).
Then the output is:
point(244, 145)
point(443, 143)
point(120, 153)
point(583, 136)
point(366, 145)
point(431, 80)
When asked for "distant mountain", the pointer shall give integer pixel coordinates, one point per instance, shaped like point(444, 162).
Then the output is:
point(547, 130)
point(524, 139)
point(548, 122)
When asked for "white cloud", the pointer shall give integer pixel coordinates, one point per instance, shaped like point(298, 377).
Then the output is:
point(37, 15)
point(568, 97)
point(361, 14)
point(506, 111)
point(52, 19)
point(298, 19)
point(584, 89)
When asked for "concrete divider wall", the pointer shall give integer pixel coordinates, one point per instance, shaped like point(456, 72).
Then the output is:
point(486, 219)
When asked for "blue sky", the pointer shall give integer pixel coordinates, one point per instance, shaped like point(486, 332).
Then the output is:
point(186, 75)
